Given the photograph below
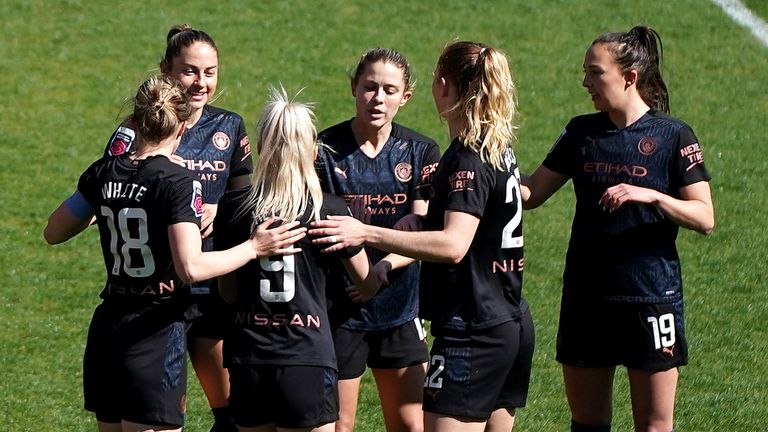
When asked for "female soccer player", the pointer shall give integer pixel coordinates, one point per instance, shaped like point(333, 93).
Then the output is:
point(638, 175)
point(378, 165)
point(471, 248)
point(280, 353)
point(215, 147)
point(147, 209)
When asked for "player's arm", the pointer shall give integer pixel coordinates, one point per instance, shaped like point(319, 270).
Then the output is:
point(448, 245)
point(366, 283)
point(193, 265)
point(409, 222)
point(71, 217)
point(694, 209)
point(539, 186)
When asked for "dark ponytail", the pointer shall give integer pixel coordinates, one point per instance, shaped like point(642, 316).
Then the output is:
point(640, 48)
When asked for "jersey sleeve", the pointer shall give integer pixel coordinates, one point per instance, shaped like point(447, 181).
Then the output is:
point(560, 158)
point(688, 162)
point(231, 227)
point(242, 161)
point(428, 167)
point(87, 184)
point(333, 205)
point(324, 168)
point(185, 201)
point(122, 140)
point(470, 184)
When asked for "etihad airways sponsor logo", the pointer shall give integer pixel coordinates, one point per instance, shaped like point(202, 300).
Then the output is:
point(607, 168)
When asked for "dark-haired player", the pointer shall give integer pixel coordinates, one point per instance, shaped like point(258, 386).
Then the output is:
point(215, 148)
point(638, 175)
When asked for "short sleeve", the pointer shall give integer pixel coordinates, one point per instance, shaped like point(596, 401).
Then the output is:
point(470, 185)
point(242, 161)
point(688, 161)
point(121, 141)
point(560, 157)
point(428, 167)
point(87, 184)
point(185, 201)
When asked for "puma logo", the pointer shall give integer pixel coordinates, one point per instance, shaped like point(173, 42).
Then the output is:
point(340, 172)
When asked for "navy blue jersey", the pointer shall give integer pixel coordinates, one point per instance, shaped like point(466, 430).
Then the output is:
point(389, 183)
point(134, 203)
point(279, 314)
point(485, 288)
point(216, 149)
point(630, 254)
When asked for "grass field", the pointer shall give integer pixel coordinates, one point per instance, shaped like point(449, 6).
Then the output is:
point(67, 67)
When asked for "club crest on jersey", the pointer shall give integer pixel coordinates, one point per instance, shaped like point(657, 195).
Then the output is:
point(404, 171)
point(646, 145)
point(197, 198)
point(220, 140)
point(122, 141)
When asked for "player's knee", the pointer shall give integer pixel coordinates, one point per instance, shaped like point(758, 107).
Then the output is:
point(580, 427)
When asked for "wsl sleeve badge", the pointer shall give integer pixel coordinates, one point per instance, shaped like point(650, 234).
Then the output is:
point(121, 141)
point(197, 198)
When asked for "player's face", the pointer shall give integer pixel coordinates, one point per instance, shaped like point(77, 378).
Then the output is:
point(197, 68)
point(379, 93)
point(603, 79)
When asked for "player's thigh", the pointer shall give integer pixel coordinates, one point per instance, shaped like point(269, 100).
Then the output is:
point(589, 392)
point(653, 398)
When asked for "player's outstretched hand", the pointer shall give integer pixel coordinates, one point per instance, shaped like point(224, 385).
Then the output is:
point(277, 241)
point(615, 196)
point(338, 232)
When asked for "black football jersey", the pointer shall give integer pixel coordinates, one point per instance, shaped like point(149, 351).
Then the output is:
point(484, 289)
point(135, 202)
point(215, 149)
point(630, 254)
point(389, 183)
point(279, 314)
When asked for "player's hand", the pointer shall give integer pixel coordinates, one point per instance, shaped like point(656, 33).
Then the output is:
point(360, 295)
point(410, 222)
point(615, 196)
point(338, 232)
point(277, 241)
point(206, 222)
point(381, 271)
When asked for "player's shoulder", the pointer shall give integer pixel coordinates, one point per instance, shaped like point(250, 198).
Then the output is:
point(337, 134)
point(659, 118)
point(219, 114)
point(404, 133)
point(590, 121)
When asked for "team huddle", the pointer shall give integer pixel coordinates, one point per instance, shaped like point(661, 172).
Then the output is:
point(286, 275)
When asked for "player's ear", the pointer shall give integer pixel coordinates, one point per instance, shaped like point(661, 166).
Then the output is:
point(165, 68)
point(353, 84)
point(631, 78)
point(406, 96)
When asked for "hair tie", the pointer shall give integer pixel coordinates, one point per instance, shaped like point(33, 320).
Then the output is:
point(482, 50)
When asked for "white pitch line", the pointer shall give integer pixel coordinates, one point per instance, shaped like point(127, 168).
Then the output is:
point(742, 15)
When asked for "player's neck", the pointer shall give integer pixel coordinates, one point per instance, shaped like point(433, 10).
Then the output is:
point(371, 140)
point(163, 148)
